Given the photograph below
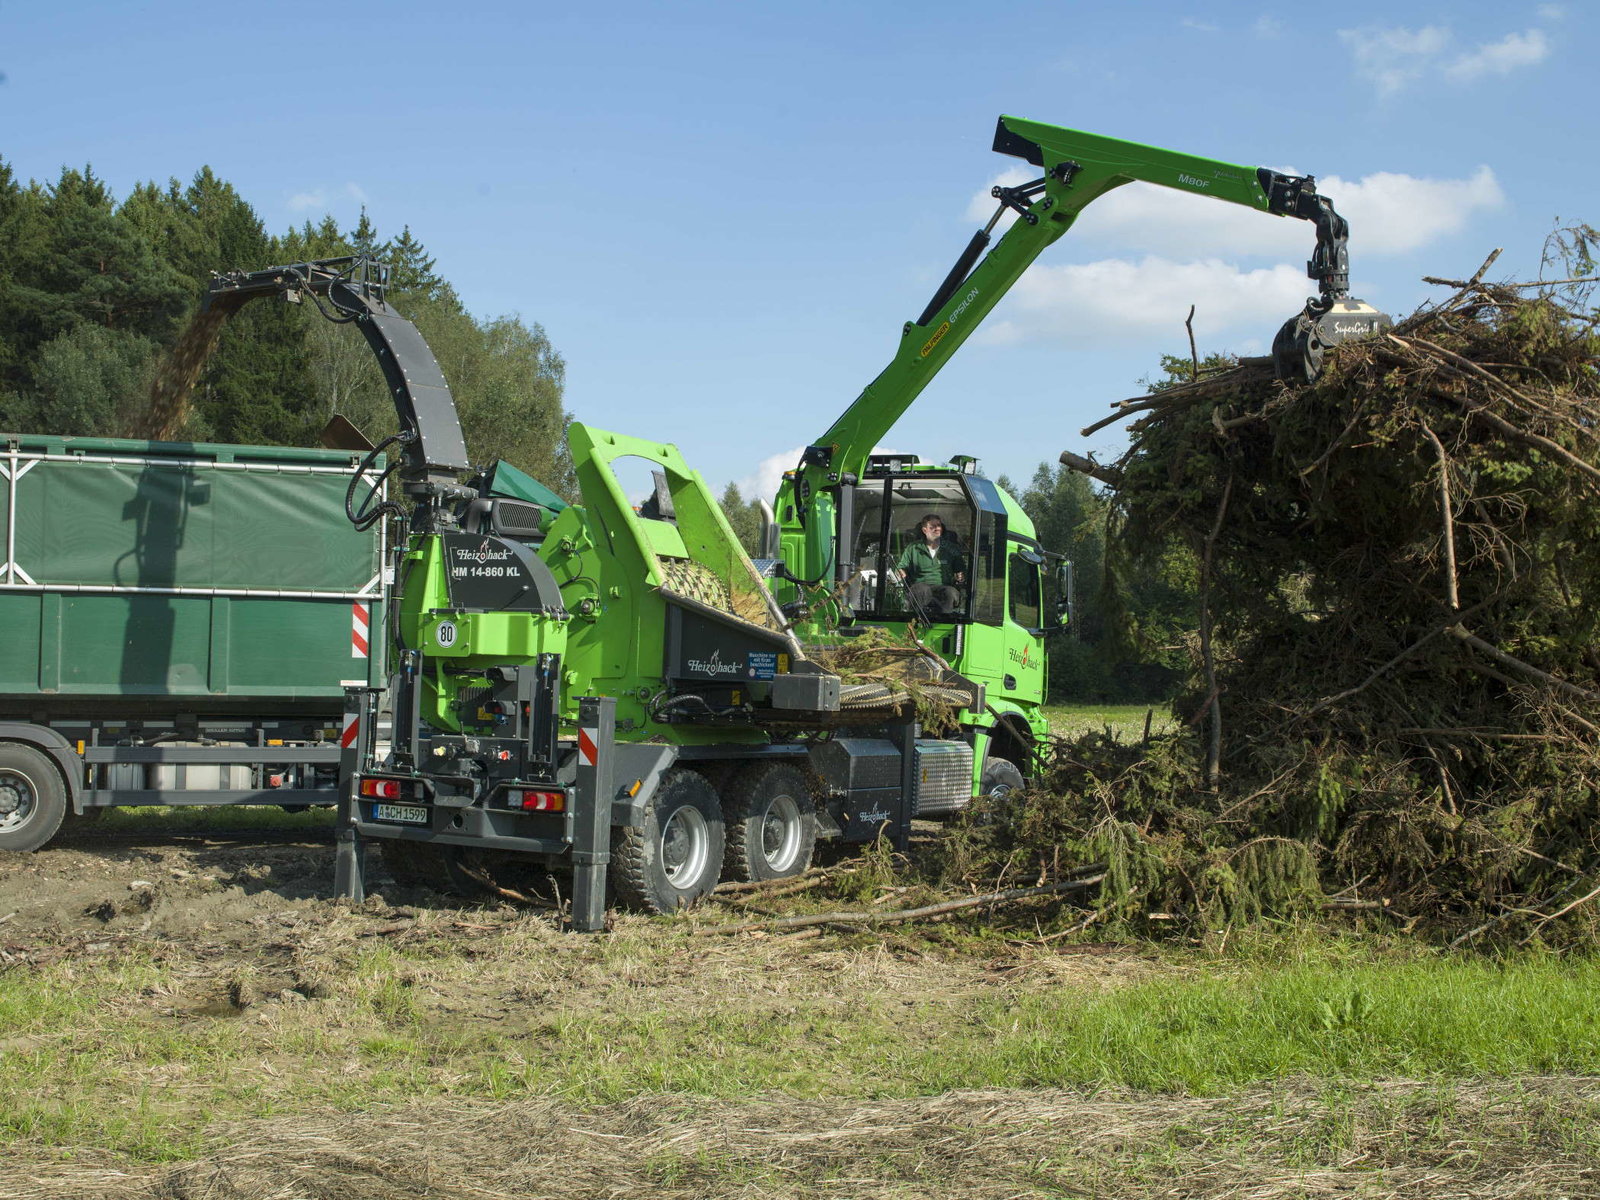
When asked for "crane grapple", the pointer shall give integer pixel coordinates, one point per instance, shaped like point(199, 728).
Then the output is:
point(1328, 318)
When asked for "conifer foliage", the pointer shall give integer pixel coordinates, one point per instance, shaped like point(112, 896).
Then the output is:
point(94, 293)
point(1394, 695)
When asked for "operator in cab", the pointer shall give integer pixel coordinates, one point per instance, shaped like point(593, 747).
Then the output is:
point(933, 569)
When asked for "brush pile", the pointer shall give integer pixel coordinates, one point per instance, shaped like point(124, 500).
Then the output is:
point(878, 665)
point(1395, 696)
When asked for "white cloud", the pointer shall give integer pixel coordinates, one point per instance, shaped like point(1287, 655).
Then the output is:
point(1552, 12)
point(1514, 51)
point(762, 483)
point(1389, 213)
point(1392, 58)
point(981, 207)
point(319, 199)
point(1268, 26)
point(1090, 303)
point(1198, 25)
point(1167, 249)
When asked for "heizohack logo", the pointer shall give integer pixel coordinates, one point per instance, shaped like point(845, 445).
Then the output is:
point(1026, 658)
point(485, 553)
point(713, 665)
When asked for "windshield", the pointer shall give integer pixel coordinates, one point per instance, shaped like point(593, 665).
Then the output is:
point(921, 552)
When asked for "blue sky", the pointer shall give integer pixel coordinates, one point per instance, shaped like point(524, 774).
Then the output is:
point(722, 213)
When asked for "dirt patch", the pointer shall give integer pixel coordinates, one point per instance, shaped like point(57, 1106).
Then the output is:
point(1299, 1141)
point(230, 925)
point(163, 886)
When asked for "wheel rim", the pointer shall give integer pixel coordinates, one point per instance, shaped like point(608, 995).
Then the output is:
point(17, 799)
point(685, 847)
point(780, 833)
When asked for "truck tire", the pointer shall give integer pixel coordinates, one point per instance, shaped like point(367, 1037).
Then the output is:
point(771, 822)
point(1001, 778)
point(675, 857)
point(33, 797)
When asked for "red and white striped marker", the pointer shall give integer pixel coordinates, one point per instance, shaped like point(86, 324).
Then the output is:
point(348, 737)
point(359, 620)
point(588, 749)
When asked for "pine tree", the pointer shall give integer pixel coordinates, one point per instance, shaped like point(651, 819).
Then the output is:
point(256, 388)
point(364, 237)
point(743, 515)
point(311, 242)
point(95, 266)
point(21, 216)
point(412, 273)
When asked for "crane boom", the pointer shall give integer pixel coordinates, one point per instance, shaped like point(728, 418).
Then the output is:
point(1078, 168)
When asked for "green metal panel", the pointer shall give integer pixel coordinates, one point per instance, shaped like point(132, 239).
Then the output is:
point(279, 644)
point(135, 645)
point(507, 480)
point(19, 648)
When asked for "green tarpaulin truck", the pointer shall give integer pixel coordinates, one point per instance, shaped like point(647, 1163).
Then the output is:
point(178, 621)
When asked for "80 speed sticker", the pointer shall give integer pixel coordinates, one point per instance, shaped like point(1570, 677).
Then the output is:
point(446, 633)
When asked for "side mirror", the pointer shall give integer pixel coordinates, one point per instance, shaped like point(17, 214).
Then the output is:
point(1065, 597)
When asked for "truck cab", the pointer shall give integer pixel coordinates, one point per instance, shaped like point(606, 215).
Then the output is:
point(991, 626)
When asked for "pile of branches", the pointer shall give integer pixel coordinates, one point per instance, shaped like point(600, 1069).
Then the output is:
point(901, 666)
point(1395, 696)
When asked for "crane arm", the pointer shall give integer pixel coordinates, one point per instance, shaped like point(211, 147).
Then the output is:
point(1078, 168)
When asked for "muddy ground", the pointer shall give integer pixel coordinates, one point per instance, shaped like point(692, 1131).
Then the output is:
point(237, 934)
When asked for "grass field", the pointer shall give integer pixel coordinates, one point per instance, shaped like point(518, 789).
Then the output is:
point(1295, 1053)
point(1127, 721)
point(184, 1014)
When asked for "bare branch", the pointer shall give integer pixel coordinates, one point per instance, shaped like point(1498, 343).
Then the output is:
point(905, 914)
point(1452, 591)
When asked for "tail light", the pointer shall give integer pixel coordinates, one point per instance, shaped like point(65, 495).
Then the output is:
point(381, 789)
point(543, 801)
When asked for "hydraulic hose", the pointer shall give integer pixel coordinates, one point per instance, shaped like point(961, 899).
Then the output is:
point(368, 516)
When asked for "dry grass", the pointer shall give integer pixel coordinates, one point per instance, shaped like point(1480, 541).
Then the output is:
point(220, 1032)
point(1534, 1139)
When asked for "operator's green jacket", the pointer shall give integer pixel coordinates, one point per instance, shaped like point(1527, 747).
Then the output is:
point(937, 567)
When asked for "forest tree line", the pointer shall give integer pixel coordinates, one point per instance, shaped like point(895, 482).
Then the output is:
point(94, 291)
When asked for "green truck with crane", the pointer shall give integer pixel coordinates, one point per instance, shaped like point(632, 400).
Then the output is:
point(844, 516)
point(624, 692)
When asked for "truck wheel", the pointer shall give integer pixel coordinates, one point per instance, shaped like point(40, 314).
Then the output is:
point(675, 857)
point(33, 798)
point(771, 822)
point(1001, 778)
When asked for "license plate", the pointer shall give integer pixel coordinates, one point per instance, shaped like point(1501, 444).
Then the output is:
point(405, 814)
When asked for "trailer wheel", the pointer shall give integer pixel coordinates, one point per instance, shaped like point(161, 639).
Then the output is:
point(771, 821)
point(1001, 778)
point(675, 857)
point(33, 798)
